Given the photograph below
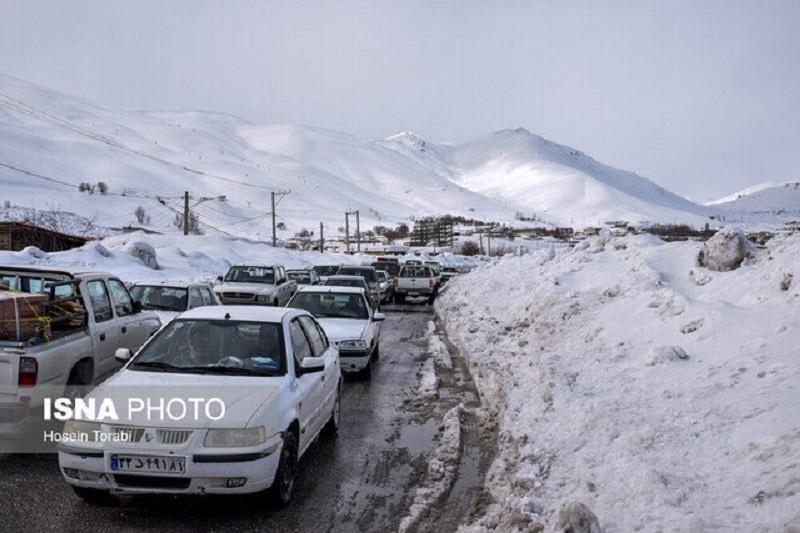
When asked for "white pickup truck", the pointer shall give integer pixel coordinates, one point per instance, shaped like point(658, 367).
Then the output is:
point(416, 280)
point(98, 316)
point(255, 285)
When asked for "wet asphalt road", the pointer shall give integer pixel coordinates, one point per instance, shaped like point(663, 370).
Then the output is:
point(362, 481)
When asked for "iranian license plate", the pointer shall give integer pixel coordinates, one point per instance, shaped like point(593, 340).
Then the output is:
point(148, 463)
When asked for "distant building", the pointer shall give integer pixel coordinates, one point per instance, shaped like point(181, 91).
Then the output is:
point(15, 236)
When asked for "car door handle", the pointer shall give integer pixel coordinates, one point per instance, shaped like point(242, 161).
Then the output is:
point(102, 336)
point(322, 378)
point(124, 329)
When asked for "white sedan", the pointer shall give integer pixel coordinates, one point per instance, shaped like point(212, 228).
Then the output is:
point(222, 400)
point(347, 315)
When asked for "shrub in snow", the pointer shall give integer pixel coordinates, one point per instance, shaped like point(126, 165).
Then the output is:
point(144, 252)
point(786, 282)
point(726, 250)
point(576, 517)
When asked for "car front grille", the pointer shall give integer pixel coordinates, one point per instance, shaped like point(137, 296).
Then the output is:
point(238, 295)
point(173, 437)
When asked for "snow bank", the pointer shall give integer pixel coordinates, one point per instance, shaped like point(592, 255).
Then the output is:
point(141, 257)
point(621, 382)
point(441, 470)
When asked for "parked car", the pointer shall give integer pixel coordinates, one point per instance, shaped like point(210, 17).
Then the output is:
point(274, 370)
point(349, 319)
point(392, 267)
point(350, 281)
point(304, 277)
point(167, 299)
point(448, 273)
point(387, 283)
point(326, 270)
point(415, 281)
point(88, 316)
point(366, 272)
point(255, 285)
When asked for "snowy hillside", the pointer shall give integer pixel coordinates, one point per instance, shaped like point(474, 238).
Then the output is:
point(771, 197)
point(557, 182)
point(661, 394)
point(52, 142)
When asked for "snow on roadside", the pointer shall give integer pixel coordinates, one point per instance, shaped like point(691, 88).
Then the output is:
point(436, 347)
point(428, 388)
point(179, 257)
point(441, 469)
point(624, 376)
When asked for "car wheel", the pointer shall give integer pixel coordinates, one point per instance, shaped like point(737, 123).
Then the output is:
point(366, 372)
point(332, 427)
point(283, 485)
point(376, 353)
point(431, 298)
point(399, 298)
point(95, 496)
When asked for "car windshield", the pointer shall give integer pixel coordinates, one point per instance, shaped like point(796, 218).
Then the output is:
point(326, 270)
point(161, 298)
point(251, 274)
point(344, 283)
point(382, 276)
point(415, 272)
point(215, 347)
point(331, 305)
point(366, 273)
point(300, 276)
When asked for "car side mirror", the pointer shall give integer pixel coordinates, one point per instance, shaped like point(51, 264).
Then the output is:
point(137, 307)
point(220, 278)
point(123, 355)
point(378, 317)
point(312, 364)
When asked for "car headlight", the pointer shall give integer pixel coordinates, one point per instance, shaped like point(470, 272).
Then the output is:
point(233, 438)
point(81, 431)
point(262, 298)
point(353, 345)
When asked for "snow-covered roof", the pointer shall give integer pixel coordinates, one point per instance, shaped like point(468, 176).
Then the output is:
point(253, 313)
point(332, 289)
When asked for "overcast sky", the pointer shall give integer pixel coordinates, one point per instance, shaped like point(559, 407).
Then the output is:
point(701, 96)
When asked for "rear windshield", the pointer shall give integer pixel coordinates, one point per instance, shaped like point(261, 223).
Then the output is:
point(344, 283)
point(300, 276)
point(160, 298)
point(366, 273)
point(251, 274)
point(331, 305)
point(392, 268)
point(21, 283)
point(326, 270)
point(415, 272)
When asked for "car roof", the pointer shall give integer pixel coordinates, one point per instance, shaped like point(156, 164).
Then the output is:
point(344, 277)
point(251, 313)
point(61, 271)
point(359, 267)
point(299, 270)
point(332, 289)
point(172, 284)
point(255, 265)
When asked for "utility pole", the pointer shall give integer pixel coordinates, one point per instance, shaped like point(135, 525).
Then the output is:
point(489, 244)
point(347, 230)
point(273, 194)
point(358, 233)
point(186, 213)
point(321, 239)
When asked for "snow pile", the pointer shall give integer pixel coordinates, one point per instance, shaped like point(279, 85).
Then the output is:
point(726, 250)
point(441, 470)
point(622, 383)
point(141, 257)
point(437, 348)
point(428, 388)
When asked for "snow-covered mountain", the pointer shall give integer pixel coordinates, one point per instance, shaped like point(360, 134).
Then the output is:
point(770, 197)
point(52, 142)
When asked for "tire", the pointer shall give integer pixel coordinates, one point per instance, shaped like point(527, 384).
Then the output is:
point(331, 428)
point(282, 487)
point(431, 299)
point(79, 380)
point(97, 497)
point(376, 352)
point(275, 303)
point(366, 372)
point(399, 298)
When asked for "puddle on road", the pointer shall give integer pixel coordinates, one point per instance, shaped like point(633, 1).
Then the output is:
point(416, 438)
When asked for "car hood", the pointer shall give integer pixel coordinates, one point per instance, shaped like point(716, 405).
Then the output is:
point(255, 288)
point(339, 329)
point(164, 316)
point(242, 397)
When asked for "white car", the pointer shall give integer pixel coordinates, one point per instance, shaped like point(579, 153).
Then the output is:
point(168, 299)
point(274, 371)
point(348, 318)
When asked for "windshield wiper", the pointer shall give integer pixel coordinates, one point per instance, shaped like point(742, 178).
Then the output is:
point(155, 365)
point(223, 370)
point(159, 307)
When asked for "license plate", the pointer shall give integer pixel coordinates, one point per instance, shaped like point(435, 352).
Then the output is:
point(148, 463)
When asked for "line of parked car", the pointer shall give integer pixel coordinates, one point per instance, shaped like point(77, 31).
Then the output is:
point(271, 343)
